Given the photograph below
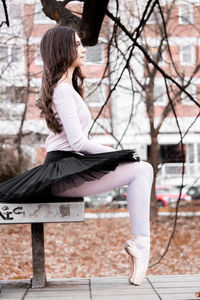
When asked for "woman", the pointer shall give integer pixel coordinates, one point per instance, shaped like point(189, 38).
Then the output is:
point(76, 166)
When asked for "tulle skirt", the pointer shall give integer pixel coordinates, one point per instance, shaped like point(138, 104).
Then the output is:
point(62, 169)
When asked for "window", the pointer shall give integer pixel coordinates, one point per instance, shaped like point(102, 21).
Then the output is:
point(159, 94)
point(3, 96)
point(154, 54)
point(95, 95)
point(19, 94)
point(187, 55)
point(39, 16)
point(190, 153)
point(170, 153)
point(198, 153)
point(186, 14)
point(94, 54)
point(4, 54)
point(10, 53)
point(191, 89)
point(16, 53)
point(12, 94)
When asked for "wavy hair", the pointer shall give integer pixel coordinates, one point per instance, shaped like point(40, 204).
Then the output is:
point(58, 51)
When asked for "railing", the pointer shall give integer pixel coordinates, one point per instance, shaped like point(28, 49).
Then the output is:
point(176, 169)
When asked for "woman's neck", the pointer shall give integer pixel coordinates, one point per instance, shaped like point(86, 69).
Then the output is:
point(68, 76)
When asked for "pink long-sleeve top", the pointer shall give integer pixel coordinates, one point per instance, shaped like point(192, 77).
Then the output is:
point(73, 114)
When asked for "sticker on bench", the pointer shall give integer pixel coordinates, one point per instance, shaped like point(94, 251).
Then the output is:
point(41, 212)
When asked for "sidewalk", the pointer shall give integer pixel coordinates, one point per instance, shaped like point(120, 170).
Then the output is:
point(170, 287)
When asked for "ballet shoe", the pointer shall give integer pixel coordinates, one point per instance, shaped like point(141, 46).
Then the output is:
point(138, 267)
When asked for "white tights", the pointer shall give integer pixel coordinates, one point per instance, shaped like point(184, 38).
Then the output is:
point(138, 176)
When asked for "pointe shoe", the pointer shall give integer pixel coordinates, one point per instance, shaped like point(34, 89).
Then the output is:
point(138, 268)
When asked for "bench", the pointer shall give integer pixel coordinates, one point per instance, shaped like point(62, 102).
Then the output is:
point(59, 211)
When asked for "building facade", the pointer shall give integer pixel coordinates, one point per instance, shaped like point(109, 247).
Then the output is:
point(145, 95)
point(124, 122)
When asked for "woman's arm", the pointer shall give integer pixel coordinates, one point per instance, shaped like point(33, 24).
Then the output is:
point(67, 111)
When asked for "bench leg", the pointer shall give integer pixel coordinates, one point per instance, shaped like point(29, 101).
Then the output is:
point(39, 277)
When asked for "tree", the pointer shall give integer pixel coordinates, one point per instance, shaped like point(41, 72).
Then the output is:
point(176, 82)
point(130, 34)
point(135, 41)
point(143, 75)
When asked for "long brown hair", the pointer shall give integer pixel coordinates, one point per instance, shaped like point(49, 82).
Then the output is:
point(58, 51)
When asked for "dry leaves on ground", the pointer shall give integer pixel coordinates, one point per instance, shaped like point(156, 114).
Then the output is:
point(95, 248)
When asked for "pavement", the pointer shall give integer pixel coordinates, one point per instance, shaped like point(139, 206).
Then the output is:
point(170, 287)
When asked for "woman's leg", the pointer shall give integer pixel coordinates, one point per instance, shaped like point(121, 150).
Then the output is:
point(138, 176)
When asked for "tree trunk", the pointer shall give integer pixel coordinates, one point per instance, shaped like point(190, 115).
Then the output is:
point(154, 149)
point(23, 117)
point(154, 157)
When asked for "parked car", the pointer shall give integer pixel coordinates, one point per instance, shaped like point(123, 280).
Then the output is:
point(96, 200)
point(167, 195)
point(194, 192)
point(120, 194)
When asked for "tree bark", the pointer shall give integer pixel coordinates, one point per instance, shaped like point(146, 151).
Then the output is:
point(154, 149)
point(56, 10)
point(154, 159)
point(92, 18)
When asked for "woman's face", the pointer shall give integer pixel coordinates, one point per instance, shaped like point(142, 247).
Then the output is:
point(80, 53)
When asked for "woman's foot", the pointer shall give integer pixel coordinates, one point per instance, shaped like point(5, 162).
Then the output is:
point(138, 249)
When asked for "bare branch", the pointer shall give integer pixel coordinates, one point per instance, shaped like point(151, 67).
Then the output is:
point(165, 75)
point(92, 18)
point(182, 180)
point(6, 14)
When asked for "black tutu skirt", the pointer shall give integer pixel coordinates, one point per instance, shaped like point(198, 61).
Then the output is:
point(64, 169)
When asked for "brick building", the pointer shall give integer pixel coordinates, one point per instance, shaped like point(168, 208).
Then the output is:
point(183, 27)
point(20, 79)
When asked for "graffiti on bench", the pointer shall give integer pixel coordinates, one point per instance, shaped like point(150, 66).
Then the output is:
point(41, 212)
point(7, 214)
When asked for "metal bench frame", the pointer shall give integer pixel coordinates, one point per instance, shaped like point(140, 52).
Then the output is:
point(67, 210)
